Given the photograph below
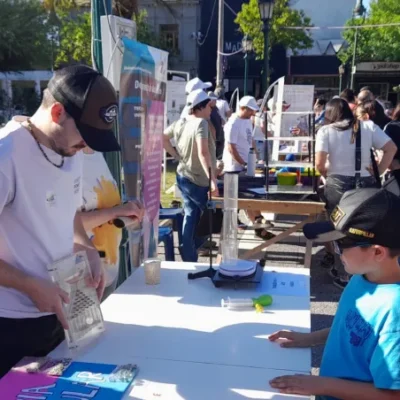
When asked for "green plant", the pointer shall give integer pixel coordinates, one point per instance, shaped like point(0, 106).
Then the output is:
point(250, 23)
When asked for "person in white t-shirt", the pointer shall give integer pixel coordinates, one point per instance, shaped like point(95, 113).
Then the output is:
point(336, 160)
point(238, 136)
point(40, 191)
point(238, 141)
point(101, 205)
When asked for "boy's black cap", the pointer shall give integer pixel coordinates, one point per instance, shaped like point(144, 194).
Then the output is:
point(90, 99)
point(364, 215)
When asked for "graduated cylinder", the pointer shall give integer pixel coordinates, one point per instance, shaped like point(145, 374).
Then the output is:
point(229, 243)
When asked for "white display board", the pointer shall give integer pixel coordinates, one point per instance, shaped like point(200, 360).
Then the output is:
point(176, 100)
point(300, 98)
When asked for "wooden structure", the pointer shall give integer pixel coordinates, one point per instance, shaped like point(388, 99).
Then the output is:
point(307, 208)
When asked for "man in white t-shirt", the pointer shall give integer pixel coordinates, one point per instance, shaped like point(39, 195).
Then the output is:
point(238, 141)
point(40, 191)
point(238, 135)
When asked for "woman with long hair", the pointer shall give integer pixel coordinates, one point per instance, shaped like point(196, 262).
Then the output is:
point(339, 144)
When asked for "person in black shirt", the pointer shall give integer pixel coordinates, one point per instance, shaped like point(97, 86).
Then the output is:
point(216, 121)
point(392, 129)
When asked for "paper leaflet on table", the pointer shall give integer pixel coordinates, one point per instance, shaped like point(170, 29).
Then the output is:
point(284, 284)
point(74, 380)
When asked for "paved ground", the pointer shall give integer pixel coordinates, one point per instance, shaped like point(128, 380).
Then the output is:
point(324, 296)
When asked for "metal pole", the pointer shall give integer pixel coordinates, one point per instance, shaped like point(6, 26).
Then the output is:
point(353, 62)
point(99, 10)
point(246, 63)
point(266, 61)
point(340, 83)
point(220, 46)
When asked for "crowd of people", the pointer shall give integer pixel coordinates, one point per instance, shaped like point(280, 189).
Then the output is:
point(356, 145)
point(57, 197)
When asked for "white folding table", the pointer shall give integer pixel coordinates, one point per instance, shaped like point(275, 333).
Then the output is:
point(187, 345)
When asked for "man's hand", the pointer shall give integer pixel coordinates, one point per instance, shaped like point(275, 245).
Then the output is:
point(214, 189)
point(306, 385)
point(48, 297)
point(130, 209)
point(291, 339)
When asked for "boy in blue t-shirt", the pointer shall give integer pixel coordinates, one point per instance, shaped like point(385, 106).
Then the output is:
point(361, 359)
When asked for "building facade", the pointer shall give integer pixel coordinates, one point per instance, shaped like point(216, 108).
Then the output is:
point(177, 22)
point(319, 66)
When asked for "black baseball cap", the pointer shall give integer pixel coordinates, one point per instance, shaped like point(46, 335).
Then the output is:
point(90, 99)
point(370, 216)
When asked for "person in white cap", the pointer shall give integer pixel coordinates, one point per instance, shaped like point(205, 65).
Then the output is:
point(238, 135)
point(191, 86)
point(238, 141)
point(195, 150)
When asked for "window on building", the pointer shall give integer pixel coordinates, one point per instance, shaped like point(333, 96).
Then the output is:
point(170, 35)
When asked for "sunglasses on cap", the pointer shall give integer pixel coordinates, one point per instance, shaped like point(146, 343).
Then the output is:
point(346, 243)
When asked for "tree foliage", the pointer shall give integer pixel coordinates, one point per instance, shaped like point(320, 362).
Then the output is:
point(24, 44)
point(74, 38)
point(75, 35)
point(250, 23)
point(375, 44)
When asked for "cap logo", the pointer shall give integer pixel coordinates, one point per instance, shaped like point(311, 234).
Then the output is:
point(361, 232)
point(337, 215)
point(109, 114)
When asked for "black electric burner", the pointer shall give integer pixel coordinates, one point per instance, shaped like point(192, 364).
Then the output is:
point(253, 279)
point(220, 280)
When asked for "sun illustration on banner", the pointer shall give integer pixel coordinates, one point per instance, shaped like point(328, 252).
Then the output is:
point(107, 236)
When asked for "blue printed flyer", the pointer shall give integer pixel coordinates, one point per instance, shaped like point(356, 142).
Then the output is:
point(49, 379)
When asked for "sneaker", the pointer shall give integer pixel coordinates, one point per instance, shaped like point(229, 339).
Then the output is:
point(210, 245)
point(203, 252)
point(340, 282)
point(328, 261)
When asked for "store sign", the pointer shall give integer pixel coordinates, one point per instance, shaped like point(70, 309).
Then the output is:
point(232, 47)
point(378, 67)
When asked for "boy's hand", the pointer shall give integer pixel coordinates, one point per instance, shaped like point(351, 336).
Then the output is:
point(291, 339)
point(306, 385)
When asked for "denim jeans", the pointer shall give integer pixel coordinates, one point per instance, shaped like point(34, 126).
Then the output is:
point(194, 203)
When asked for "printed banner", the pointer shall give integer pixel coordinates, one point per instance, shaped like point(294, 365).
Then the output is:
point(142, 110)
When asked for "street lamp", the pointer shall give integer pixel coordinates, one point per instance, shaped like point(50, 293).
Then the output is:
point(358, 12)
point(341, 73)
point(266, 8)
point(247, 46)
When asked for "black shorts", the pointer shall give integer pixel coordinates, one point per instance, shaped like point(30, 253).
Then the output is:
point(27, 337)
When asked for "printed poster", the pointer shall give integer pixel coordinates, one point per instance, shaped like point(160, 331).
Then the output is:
point(74, 380)
point(142, 111)
point(300, 98)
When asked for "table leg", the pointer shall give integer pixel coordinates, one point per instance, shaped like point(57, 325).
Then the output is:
point(308, 254)
point(249, 254)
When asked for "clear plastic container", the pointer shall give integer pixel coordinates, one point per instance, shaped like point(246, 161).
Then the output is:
point(152, 271)
point(83, 312)
point(237, 304)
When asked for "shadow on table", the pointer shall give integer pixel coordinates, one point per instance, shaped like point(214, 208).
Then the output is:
point(222, 351)
point(201, 292)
